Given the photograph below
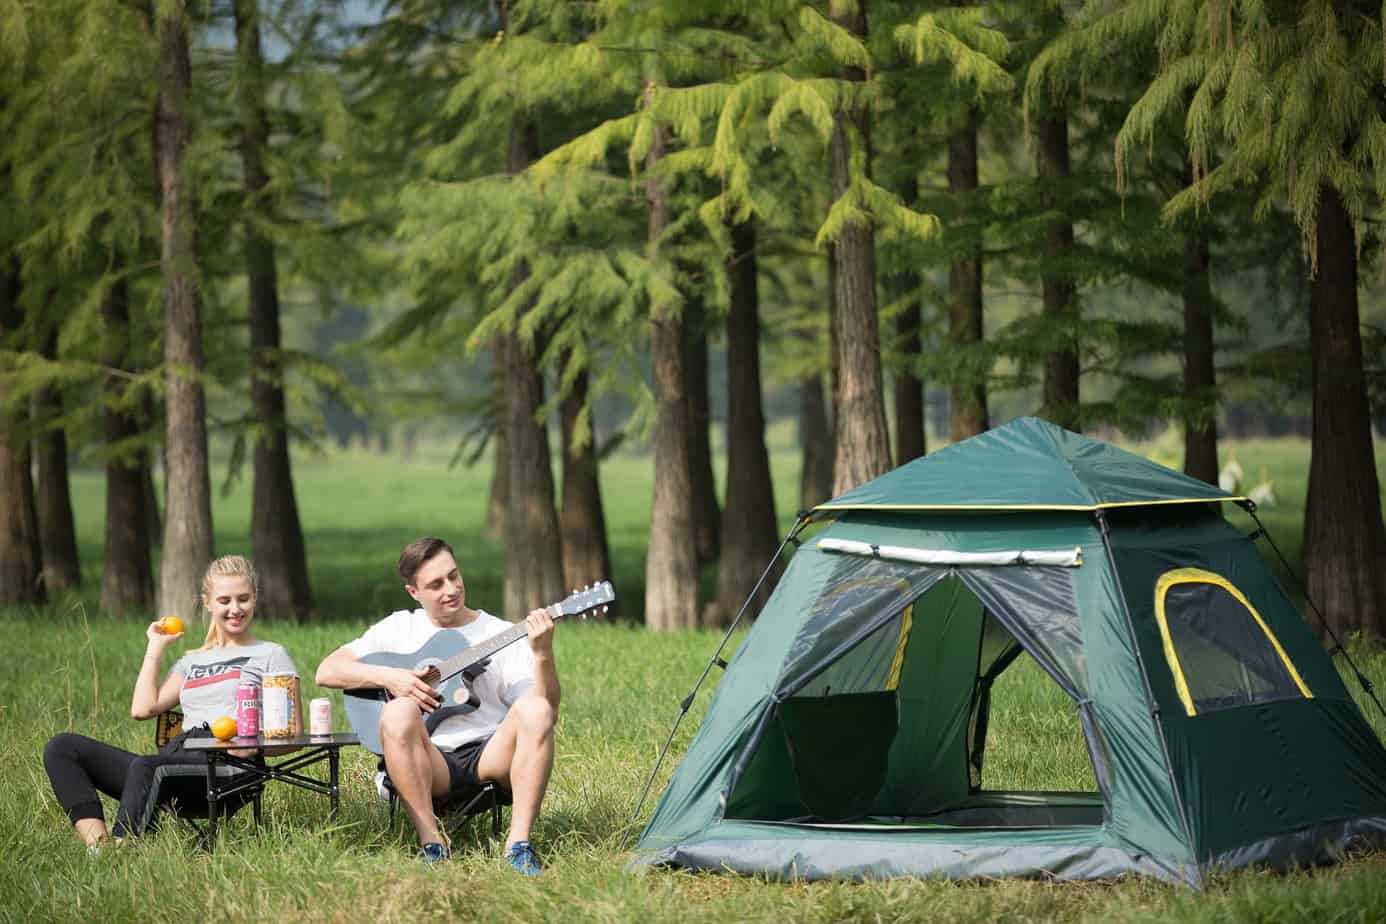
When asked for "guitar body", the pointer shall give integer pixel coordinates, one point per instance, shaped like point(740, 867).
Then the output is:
point(455, 664)
point(363, 706)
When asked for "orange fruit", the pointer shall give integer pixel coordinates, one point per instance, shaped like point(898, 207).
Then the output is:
point(170, 625)
point(224, 727)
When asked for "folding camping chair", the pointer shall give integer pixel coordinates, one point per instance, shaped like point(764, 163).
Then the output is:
point(463, 804)
point(182, 789)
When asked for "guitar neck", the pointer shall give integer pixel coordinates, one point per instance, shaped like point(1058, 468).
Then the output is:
point(483, 650)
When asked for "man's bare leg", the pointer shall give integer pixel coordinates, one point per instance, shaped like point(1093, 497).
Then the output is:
point(519, 756)
point(416, 767)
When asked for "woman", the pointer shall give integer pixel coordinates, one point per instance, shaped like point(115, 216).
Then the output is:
point(202, 683)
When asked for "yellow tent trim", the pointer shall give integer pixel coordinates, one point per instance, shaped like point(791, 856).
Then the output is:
point(895, 665)
point(1178, 576)
point(1142, 503)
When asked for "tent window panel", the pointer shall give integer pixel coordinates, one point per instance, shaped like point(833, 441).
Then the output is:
point(1221, 652)
point(857, 593)
point(867, 667)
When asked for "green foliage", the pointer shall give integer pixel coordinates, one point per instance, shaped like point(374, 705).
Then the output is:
point(1280, 97)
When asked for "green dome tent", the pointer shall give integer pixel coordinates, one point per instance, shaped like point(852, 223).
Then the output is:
point(848, 735)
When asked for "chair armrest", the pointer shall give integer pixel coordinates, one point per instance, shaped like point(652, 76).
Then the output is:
point(167, 726)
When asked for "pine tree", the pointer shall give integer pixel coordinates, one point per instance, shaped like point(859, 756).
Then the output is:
point(127, 576)
point(276, 534)
point(53, 497)
point(1282, 99)
point(957, 76)
point(21, 559)
point(748, 517)
point(187, 543)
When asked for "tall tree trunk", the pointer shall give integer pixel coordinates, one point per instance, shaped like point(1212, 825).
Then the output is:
point(533, 549)
point(968, 415)
point(705, 514)
point(816, 444)
point(21, 559)
point(127, 577)
point(62, 569)
point(1056, 280)
point(748, 519)
point(671, 564)
point(499, 498)
point(586, 554)
point(276, 535)
point(187, 544)
point(815, 405)
point(862, 449)
point(910, 442)
point(1200, 374)
point(1344, 537)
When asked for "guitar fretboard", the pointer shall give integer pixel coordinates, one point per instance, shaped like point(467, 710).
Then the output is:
point(483, 650)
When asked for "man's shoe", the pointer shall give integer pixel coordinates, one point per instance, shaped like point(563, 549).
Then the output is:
point(522, 858)
point(433, 853)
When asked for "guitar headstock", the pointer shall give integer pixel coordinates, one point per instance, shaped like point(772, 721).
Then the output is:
point(581, 602)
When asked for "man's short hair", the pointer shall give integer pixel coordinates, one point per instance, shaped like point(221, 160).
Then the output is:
point(418, 552)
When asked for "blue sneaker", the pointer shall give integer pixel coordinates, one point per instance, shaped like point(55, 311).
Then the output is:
point(521, 856)
point(433, 853)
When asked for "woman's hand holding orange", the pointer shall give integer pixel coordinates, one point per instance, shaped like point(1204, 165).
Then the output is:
point(159, 637)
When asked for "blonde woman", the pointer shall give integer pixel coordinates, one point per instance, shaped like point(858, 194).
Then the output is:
point(202, 683)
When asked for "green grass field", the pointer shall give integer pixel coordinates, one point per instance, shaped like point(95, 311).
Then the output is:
point(68, 668)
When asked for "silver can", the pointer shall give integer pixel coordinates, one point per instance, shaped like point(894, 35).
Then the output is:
point(320, 716)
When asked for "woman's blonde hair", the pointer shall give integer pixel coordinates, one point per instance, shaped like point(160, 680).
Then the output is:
point(226, 566)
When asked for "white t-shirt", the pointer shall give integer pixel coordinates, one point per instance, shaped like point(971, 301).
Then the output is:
point(503, 679)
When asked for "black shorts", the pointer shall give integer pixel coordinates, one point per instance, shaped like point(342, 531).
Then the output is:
point(463, 782)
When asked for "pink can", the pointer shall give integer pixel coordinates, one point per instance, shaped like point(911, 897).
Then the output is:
point(247, 709)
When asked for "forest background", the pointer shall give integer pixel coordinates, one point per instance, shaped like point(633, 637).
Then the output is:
point(543, 233)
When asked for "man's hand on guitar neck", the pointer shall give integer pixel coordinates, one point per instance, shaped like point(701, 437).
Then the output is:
point(539, 626)
point(410, 684)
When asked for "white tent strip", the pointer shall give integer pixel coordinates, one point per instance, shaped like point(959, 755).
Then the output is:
point(1062, 558)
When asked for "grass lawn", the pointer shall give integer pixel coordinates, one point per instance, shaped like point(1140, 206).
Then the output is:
point(68, 668)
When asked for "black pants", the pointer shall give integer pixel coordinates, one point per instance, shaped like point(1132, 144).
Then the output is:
point(79, 767)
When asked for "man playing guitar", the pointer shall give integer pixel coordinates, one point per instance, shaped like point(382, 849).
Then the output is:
point(505, 734)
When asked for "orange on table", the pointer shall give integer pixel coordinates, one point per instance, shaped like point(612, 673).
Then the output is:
point(224, 727)
point(170, 625)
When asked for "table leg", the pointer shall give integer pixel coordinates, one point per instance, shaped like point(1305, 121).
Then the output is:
point(211, 800)
point(259, 793)
point(332, 782)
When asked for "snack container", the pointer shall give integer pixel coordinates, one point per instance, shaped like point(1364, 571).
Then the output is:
point(277, 717)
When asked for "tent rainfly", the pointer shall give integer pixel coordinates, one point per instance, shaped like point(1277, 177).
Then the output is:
point(848, 735)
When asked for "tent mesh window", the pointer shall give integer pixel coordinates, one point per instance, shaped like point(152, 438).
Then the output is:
point(1219, 649)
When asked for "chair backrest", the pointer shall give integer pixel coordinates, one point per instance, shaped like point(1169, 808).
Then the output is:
point(168, 726)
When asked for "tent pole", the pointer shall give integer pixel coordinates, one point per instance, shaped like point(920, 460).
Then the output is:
point(805, 516)
point(1101, 516)
point(1339, 648)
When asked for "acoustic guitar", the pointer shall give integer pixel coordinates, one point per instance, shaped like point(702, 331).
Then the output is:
point(453, 665)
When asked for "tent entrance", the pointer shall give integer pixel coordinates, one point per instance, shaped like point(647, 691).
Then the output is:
point(923, 715)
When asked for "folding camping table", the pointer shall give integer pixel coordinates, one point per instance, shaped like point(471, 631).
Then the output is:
point(299, 753)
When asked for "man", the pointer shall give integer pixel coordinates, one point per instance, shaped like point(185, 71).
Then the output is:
point(507, 740)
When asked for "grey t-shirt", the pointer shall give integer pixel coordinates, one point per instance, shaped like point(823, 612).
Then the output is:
point(210, 676)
